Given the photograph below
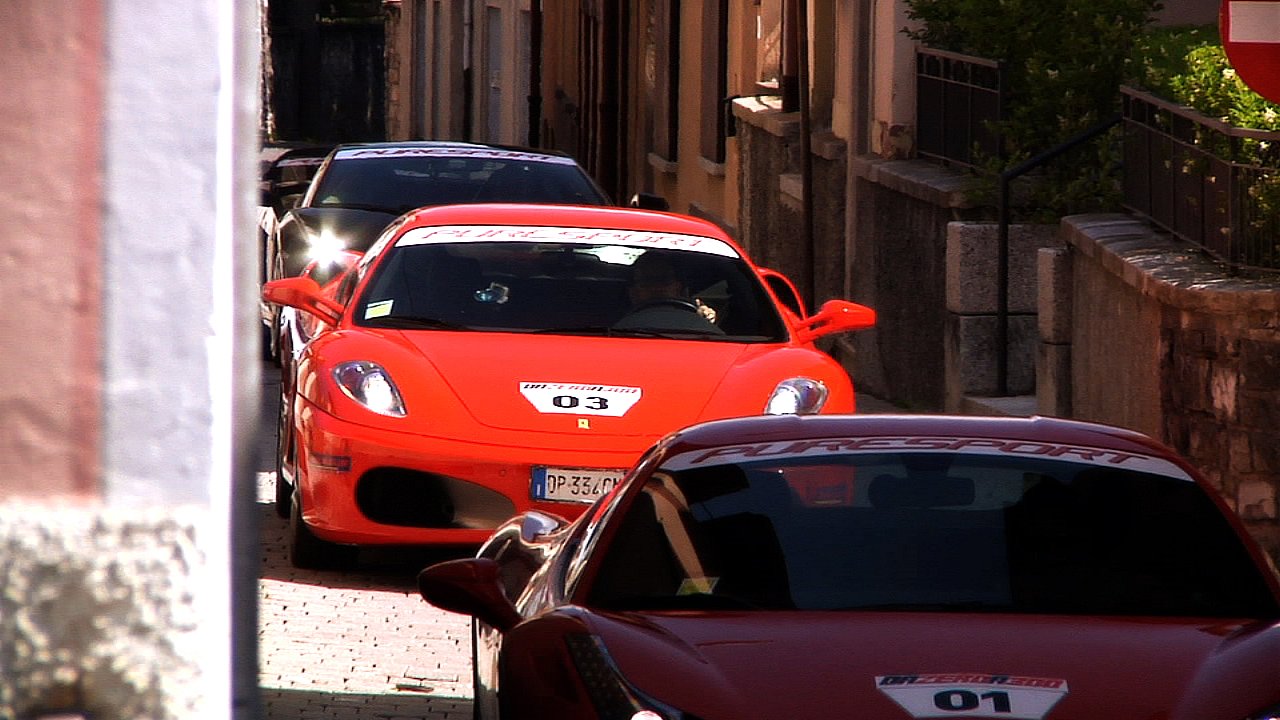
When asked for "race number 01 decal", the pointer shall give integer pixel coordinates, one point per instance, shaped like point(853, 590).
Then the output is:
point(580, 398)
point(934, 695)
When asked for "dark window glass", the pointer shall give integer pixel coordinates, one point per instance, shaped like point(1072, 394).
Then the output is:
point(575, 289)
point(930, 531)
point(400, 184)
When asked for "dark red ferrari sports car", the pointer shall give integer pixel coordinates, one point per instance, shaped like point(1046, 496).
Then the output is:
point(879, 568)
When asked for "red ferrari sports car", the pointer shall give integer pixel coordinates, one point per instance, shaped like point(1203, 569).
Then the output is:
point(879, 567)
point(483, 360)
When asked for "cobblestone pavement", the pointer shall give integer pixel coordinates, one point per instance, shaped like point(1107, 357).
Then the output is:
point(351, 645)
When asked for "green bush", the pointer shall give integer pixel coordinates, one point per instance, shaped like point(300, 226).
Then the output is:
point(1064, 62)
point(1187, 65)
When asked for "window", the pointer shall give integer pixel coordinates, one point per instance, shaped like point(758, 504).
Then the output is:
point(715, 22)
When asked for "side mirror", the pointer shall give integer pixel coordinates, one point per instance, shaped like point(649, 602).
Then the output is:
point(648, 201)
point(537, 526)
point(303, 293)
point(835, 316)
point(471, 586)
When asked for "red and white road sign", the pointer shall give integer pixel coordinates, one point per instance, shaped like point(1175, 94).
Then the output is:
point(1250, 32)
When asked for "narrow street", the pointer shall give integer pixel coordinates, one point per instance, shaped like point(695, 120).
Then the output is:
point(339, 646)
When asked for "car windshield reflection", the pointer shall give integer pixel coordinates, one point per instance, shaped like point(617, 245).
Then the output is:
point(572, 289)
point(927, 532)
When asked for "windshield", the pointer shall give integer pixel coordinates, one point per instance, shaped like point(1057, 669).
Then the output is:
point(575, 288)
point(915, 531)
point(397, 183)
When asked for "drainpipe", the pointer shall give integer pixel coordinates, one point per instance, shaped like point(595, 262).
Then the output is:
point(806, 154)
point(467, 92)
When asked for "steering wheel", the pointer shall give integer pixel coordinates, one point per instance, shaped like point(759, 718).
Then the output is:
point(677, 303)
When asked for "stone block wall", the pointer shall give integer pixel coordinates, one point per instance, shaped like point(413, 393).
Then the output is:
point(1165, 342)
point(973, 309)
point(897, 264)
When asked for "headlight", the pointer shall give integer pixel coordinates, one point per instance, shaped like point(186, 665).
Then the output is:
point(797, 396)
point(324, 246)
point(612, 696)
point(371, 386)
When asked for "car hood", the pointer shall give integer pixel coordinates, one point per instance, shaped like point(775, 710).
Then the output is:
point(610, 386)
point(357, 229)
point(890, 666)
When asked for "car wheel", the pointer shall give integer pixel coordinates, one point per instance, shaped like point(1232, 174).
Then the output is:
point(284, 489)
point(270, 350)
point(284, 493)
point(475, 675)
point(308, 552)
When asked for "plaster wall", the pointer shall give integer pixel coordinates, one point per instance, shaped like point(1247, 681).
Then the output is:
point(49, 257)
point(131, 133)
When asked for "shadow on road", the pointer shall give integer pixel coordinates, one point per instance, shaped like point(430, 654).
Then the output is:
point(385, 568)
point(404, 704)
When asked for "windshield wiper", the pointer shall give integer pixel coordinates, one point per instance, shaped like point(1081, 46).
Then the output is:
point(610, 331)
point(412, 321)
point(364, 206)
point(692, 601)
point(959, 606)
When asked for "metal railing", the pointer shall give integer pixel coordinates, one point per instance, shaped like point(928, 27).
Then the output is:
point(959, 98)
point(1209, 183)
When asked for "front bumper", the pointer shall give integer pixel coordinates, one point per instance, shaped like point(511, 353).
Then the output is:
point(365, 486)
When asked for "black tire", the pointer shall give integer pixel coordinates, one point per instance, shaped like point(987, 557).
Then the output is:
point(284, 494)
point(475, 675)
point(270, 349)
point(284, 489)
point(308, 552)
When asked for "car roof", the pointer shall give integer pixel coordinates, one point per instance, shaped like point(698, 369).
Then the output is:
point(576, 216)
point(443, 144)
point(1035, 429)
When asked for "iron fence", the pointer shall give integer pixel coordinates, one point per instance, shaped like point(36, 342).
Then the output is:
point(959, 99)
point(1205, 181)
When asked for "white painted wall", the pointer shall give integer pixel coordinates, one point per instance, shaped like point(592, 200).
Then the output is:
point(119, 600)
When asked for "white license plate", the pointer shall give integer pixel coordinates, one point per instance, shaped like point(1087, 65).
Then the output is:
point(572, 484)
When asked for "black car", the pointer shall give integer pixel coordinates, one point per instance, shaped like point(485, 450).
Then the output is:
point(361, 187)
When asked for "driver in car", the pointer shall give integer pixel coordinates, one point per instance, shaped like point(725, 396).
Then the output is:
point(660, 298)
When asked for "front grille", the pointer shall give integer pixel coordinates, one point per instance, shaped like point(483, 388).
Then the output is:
point(410, 498)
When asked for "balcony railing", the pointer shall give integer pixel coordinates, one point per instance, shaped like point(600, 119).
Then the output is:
point(959, 99)
point(1204, 181)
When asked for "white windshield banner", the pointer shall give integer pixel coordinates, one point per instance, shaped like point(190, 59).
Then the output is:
point(569, 235)
point(451, 152)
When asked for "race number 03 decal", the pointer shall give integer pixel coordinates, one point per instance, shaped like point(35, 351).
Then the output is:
point(580, 398)
point(934, 695)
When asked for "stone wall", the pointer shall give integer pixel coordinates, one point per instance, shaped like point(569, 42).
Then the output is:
point(897, 265)
point(972, 351)
point(1167, 343)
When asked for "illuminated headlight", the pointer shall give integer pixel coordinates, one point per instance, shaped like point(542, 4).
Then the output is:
point(797, 396)
point(371, 386)
point(612, 696)
point(324, 247)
